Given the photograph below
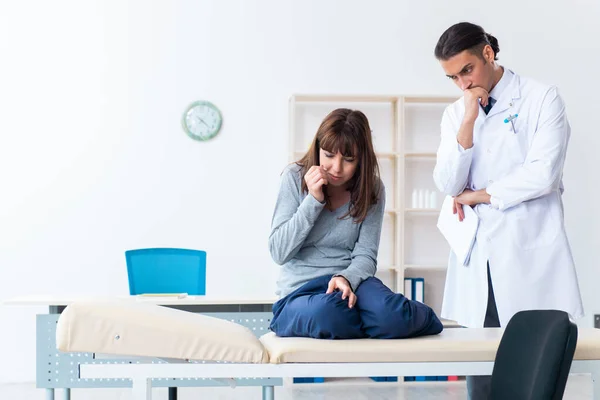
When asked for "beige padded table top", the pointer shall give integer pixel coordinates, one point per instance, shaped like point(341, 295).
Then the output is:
point(129, 328)
point(455, 344)
point(147, 330)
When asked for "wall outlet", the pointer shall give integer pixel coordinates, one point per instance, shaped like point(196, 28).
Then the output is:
point(597, 321)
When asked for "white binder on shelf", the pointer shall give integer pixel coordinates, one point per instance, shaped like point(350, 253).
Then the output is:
point(408, 292)
point(419, 289)
point(460, 235)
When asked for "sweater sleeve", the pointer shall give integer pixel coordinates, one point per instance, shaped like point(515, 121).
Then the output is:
point(293, 217)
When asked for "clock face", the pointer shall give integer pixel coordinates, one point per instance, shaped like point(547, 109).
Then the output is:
point(201, 120)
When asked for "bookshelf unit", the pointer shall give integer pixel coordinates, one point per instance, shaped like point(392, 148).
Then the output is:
point(405, 131)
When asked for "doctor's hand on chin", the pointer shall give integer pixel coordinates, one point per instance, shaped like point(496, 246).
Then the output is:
point(469, 198)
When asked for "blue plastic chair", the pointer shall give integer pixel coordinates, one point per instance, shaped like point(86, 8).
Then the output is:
point(166, 270)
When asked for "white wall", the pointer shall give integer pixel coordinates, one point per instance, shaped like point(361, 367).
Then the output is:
point(93, 160)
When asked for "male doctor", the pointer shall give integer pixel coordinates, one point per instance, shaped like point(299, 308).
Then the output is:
point(502, 151)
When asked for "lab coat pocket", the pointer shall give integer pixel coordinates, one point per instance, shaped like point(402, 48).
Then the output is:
point(535, 224)
point(517, 142)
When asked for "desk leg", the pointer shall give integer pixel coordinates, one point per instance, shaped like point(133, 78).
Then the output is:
point(172, 393)
point(268, 393)
point(50, 391)
point(142, 389)
point(596, 385)
point(66, 394)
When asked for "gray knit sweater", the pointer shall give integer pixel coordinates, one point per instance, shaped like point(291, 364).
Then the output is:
point(310, 241)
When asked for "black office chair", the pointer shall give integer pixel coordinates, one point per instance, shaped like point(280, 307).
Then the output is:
point(534, 356)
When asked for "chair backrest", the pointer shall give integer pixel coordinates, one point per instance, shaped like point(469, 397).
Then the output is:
point(534, 356)
point(166, 270)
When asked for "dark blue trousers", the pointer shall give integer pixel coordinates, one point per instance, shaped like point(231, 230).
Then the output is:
point(378, 313)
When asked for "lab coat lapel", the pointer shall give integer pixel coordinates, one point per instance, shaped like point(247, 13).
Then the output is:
point(506, 100)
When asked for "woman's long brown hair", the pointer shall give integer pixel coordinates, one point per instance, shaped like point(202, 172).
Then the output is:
point(348, 132)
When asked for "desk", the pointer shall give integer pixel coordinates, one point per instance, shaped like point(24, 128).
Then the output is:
point(57, 370)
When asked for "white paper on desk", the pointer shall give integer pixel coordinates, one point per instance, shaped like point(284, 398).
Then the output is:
point(154, 297)
point(460, 235)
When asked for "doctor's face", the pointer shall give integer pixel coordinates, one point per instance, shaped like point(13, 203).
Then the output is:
point(468, 70)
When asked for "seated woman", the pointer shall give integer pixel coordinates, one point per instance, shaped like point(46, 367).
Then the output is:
point(325, 233)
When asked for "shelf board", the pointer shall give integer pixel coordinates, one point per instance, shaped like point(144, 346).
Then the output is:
point(419, 155)
point(390, 155)
point(393, 211)
point(429, 100)
point(422, 211)
point(369, 98)
point(426, 267)
point(352, 98)
point(386, 155)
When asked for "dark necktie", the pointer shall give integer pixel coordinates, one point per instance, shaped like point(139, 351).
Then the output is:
point(489, 106)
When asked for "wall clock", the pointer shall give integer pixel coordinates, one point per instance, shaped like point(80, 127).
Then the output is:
point(201, 120)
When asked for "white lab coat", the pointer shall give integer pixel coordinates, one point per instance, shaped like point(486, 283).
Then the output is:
point(522, 233)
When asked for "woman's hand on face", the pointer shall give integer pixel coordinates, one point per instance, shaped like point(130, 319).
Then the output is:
point(339, 283)
point(315, 178)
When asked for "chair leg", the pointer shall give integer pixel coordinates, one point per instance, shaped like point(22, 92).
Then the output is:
point(172, 393)
point(268, 393)
point(50, 394)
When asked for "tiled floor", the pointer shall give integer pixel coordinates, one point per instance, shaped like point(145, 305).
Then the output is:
point(579, 387)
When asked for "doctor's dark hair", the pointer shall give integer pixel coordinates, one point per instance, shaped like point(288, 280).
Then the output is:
point(464, 36)
point(348, 132)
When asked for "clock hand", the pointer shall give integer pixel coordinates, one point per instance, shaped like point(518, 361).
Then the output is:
point(201, 120)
